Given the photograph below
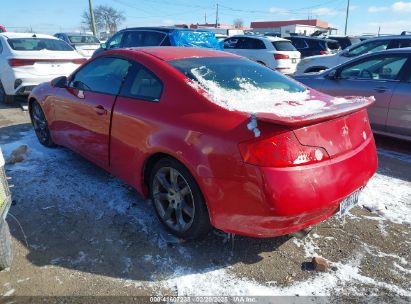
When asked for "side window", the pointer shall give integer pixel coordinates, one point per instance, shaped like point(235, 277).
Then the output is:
point(404, 43)
point(230, 43)
point(368, 47)
point(381, 68)
point(142, 84)
point(115, 41)
point(153, 38)
point(133, 39)
point(102, 75)
point(1, 47)
point(250, 44)
point(299, 43)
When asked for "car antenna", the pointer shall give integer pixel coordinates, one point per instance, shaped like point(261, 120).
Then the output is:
point(34, 36)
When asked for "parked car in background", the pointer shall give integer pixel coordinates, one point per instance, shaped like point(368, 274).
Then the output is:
point(162, 120)
point(160, 36)
point(2, 29)
point(27, 59)
point(84, 44)
point(320, 63)
point(345, 41)
point(385, 75)
point(310, 46)
point(276, 53)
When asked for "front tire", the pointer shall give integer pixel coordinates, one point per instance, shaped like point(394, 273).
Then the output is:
point(40, 125)
point(6, 253)
point(4, 98)
point(178, 200)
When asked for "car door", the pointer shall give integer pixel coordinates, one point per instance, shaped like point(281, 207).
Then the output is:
point(372, 76)
point(399, 113)
point(136, 109)
point(83, 109)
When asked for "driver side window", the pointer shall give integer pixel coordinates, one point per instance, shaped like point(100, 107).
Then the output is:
point(115, 41)
point(102, 75)
point(382, 68)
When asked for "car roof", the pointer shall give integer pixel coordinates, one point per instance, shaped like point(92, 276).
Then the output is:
point(166, 29)
point(26, 35)
point(74, 33)
point(174, 53)
point(271, 38)
point(310, 38)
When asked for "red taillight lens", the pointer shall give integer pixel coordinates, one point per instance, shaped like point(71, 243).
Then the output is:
point(21, 62)
point(324, 52)
point(281, 56)
point(283, 150)
point(79, 61)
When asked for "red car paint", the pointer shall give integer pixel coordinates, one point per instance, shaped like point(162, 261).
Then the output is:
point(121, 134)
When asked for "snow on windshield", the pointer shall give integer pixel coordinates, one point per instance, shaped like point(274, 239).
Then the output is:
point(250, 98)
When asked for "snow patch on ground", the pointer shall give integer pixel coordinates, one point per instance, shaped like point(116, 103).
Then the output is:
point(389, 197)
point(347, 279)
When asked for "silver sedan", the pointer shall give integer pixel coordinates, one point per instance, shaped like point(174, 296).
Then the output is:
point(385, 75)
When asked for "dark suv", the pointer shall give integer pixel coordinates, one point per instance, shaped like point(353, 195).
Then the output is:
point(310, 46)
point(160, 36)
point(345, 41)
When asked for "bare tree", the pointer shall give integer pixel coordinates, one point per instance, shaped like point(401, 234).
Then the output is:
point(107, 18)
point(238, 23)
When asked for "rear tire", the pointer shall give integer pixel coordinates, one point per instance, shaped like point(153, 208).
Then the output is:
point(4, 98)
point(178, 200)
point(40, 125)
point(6, 253)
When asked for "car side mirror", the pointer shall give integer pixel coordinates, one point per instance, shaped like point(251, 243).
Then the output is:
point(59, 82)
point(103, 46)
point(333, 75)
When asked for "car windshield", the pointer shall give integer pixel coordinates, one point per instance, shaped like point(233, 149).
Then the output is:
point(38, 44)
point(284, 46)
point(83, 39)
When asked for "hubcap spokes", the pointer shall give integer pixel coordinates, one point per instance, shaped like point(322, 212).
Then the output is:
point(173, 199)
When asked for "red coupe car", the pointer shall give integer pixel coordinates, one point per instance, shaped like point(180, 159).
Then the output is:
point(213, 138)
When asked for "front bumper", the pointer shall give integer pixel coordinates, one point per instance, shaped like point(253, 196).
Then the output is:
point(277, 201)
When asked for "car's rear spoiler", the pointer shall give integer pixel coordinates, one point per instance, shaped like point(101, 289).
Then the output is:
point(331, 111)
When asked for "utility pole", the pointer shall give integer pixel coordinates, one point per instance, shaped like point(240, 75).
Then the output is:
point(216, 17)
point(346, 17)
point(93, 21)
point(205, 17)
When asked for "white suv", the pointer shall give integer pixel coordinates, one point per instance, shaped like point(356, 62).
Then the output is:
point(319, 63)
point(28, 59)
point(276, 53)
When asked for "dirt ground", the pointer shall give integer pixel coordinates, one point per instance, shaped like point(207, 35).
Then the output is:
point(80, 231)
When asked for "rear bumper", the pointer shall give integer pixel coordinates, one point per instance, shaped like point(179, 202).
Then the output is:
point(277, 201)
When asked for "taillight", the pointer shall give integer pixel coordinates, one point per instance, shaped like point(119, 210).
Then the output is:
point(283, 150)
point(79, 61)
point(281, 56)
point(20, 62)
point(324, 52)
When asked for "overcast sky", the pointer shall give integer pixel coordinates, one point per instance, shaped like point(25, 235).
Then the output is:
point(365, 15)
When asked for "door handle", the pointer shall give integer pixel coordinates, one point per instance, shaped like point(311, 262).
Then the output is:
point(381, 89)
point(100, 110)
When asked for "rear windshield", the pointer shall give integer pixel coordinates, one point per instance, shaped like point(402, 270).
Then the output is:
point(234, 74)
point(83, 39)
point(284, 46)
point(38, 44)
point(333, 45)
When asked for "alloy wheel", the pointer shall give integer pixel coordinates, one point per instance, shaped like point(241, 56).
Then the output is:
point(173, 199)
